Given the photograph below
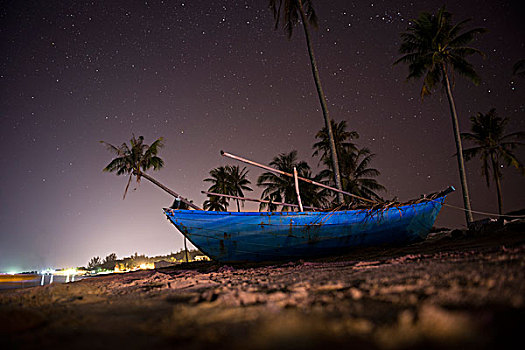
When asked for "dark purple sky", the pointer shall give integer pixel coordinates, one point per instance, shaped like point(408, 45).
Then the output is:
point(211, 75)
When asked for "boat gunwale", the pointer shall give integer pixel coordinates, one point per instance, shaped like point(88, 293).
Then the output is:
point(178, 217)
point(371, 211)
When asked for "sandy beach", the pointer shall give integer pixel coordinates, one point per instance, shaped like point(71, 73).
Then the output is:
point(455, 290)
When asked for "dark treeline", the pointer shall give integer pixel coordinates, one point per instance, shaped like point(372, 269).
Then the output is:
point(111, 262)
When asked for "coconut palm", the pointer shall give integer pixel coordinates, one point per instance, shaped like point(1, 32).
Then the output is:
point(357, 175)
point(280, 188)
point(215, 203)
point(434, 48)
point(342, 138)
point(312, 195)
point(493, 147)
point(293, 11)
point(220, 184)
point(239, 182)
point(229, 180)
point(136, 159)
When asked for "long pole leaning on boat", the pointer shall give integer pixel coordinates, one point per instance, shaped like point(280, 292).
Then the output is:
point(174, 194)
point(257, 200)
point(229, 155)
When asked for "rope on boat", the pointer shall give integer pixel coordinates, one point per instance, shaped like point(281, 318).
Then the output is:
point(329, 215)
point(485, 213)
point(321, 221)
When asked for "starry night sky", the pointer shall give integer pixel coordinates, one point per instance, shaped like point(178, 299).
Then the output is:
point(211, 75)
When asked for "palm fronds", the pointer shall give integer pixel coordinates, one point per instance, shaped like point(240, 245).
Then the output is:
point(280, 188)
point(134, 159)
point(493, 147)
point(433, 46)
point(229, 180)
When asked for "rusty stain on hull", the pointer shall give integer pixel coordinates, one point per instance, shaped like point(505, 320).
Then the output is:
point(254, 236)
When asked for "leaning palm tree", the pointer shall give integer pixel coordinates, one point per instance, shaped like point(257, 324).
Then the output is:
point(229, 180)
point(135, 159)
point(293, 11)
point(280, 188)
point(493, 147)
point(434, 49)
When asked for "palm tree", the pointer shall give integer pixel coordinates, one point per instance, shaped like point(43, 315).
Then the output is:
point(229, 180)
point(291, 11)
point(342, 139)
point(215, 203)
point(280, 188)
point(434, 48)
point(493, 147)
point(312, 195)
point(94, 263)
point(136, 159)
point(356, 175)
point(239, 182)
point(220, 184)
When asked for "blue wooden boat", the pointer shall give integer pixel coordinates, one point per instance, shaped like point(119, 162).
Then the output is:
point(271, 236)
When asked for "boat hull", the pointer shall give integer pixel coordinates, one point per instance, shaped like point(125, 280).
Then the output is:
point(270, 236)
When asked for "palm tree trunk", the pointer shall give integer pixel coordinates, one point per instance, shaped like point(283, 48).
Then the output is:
point(322, 100)
point(186, 249)
point(174, 194)
point(459, 149)
point(498, 184)
point(238, 207)
point(127, 186)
